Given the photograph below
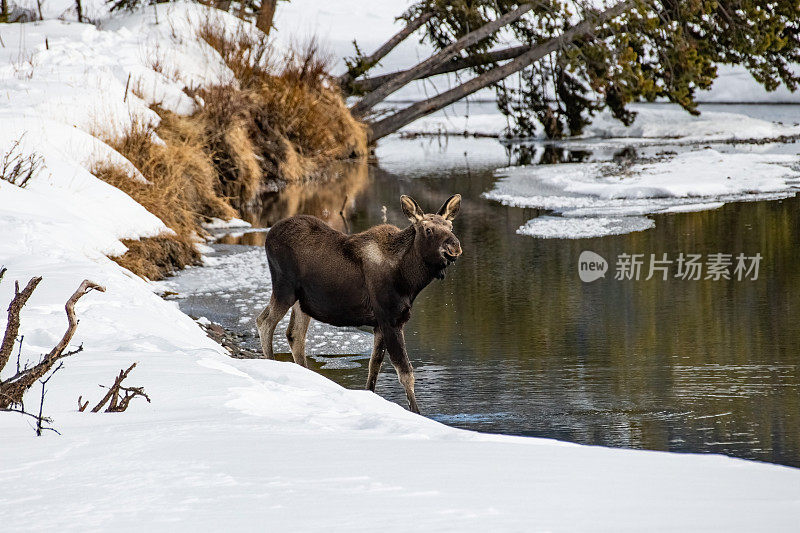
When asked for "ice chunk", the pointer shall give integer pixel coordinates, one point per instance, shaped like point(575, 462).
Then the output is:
point(548, 227)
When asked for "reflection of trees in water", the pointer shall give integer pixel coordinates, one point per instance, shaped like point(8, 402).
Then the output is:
point(544, 154)
point(327, 199)
point(653, 364)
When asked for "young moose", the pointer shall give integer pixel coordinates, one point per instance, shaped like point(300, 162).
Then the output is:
point(367, 279)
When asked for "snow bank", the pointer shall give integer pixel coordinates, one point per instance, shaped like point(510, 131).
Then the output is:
point(481, 124)
point(735, 84)
point(676, 124)
point(101, 80)
point(703, 179)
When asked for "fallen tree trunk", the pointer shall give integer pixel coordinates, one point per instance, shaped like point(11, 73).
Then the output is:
point(366, 104)
point(411, 113)
point(366, 63)
point(454, 65)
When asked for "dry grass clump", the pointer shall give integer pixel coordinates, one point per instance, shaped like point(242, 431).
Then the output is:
point(291, 112)
point(183, 190)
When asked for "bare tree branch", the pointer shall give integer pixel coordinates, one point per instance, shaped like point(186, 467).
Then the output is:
point(454, 65)
point(14, 309)
point(370, 61)
point(378, 95)
point(411, 113)
point(13, 388)
point(117, 404)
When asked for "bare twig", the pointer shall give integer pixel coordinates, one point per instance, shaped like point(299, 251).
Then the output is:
point(46, 419)
point(40, 420)
point(19, 352)
point(117, 404)
point(127, 83)
point(363, 64)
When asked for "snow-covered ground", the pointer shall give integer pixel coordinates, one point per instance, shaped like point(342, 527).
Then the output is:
point(253, 444)
point(596, 199)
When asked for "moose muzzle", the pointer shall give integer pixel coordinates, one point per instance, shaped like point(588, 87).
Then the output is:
point(451, 251)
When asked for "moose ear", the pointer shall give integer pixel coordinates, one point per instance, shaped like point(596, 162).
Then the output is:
point(411, 208)
point(450, 208)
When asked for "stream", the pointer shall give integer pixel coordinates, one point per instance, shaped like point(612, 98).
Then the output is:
point(512, 341)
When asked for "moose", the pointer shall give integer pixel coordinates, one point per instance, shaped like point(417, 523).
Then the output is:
point(365, 279)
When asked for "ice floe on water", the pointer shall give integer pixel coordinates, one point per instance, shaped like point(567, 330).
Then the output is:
point(583, 228)
point(607, 198)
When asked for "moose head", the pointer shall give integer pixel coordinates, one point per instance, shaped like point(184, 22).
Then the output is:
point(434, 240)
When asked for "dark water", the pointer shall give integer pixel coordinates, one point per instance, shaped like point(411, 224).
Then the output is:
point(513, 342)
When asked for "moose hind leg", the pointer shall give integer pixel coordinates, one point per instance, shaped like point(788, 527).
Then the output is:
point(296, 334)
point(267, 321)
point(376, 360)
point(396, 346)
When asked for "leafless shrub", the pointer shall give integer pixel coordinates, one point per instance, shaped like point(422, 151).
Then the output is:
point(17, 168)
point(13, 388)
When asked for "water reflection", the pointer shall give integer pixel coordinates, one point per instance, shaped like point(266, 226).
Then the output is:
point(513, 342)
point(546, 154)
point(668, 365)
point(331, 200)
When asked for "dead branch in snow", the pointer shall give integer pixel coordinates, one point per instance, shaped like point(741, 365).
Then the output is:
point(118, 396)
point(13, 388)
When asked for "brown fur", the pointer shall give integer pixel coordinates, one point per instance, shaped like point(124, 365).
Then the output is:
point(367, 279)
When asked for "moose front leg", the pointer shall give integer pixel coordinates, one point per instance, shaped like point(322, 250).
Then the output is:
point(376, 360)
point(396, 346)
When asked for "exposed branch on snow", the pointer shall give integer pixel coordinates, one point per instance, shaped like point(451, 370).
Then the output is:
point(17, 168)
point(40, 419)
point(13, 388)
point(118, 396)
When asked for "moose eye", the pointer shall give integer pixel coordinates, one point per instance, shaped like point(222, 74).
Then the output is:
point(428, 231)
